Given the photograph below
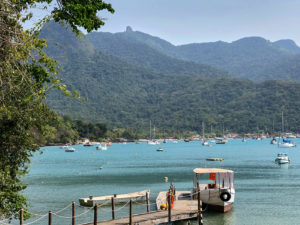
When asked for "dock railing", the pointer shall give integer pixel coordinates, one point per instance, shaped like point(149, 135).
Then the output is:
point(97, 207)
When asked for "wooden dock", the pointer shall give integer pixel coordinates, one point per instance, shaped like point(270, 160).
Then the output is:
point(184, 209)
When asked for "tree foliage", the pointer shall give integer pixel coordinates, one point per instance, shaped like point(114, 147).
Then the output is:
point(26, 73)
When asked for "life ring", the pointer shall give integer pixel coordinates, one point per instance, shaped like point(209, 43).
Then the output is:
point(172, 199)
point(225, 196)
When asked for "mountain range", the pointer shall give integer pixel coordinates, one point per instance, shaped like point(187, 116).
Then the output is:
point(254, 58)
point(131, 77)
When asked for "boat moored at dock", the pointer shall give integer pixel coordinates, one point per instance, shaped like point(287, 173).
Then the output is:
point(135, 196)
point(218, 195)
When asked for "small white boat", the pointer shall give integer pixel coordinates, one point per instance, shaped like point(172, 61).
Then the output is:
point(88, 144)
point(136, 196)
point(64, 146)
point(221, 141)
point(286, 144)
point(153, 142)
point(70, 149)
point(273, 141)
point(282, 158)
point(102, 147)
point(206, 143)
point(160, 149)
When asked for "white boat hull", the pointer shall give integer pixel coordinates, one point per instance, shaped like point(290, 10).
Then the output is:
point(286, 145)
point(282, 160)
point(211, 198)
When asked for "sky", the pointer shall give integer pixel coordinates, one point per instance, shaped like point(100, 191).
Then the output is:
point(195, 21)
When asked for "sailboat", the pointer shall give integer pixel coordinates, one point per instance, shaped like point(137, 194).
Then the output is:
point(164, 137)
point(222, 141)
point(204, 141)
point(152, 141)
point(244, 139)
point(102, 147)
point(273, 141)
point(285, 142)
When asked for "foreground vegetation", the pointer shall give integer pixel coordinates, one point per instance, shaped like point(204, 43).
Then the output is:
point(26, 73)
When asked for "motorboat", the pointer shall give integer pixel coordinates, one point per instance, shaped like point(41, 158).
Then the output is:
point(282, 158)
point(206, 143)
point(215, 159)
point(88, 144)
point(219, 193)
point(153, 142)
point(70, 149)
point(102, 147)
point(160, 149)
point(273, 141)
point(64, 146)
point(286, 144)
point(221, 141)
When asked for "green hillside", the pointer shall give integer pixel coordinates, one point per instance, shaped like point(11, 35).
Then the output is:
point(142, 55)
point(253, 58)
point(123, 95)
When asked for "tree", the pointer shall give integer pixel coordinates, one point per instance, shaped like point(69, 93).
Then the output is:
point(26, 73)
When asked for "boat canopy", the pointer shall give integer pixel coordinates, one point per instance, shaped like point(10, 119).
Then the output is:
point(221, 177)
point(211, 170)
point(286, 140)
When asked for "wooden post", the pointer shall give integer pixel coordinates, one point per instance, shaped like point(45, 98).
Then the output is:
point(200, 222)
point(113, 208)
point(21, 216)
point(50, 218)
point(130, 213)
point(95, 214)
point(73, 213)
point(169, 206)
point(147, 200)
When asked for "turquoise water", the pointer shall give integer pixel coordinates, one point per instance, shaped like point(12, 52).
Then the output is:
point(266, 193)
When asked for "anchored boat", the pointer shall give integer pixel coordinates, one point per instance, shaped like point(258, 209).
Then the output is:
point(282, 158)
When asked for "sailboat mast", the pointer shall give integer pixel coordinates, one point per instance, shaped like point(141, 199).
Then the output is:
point(150, 138)
point(223, 130)
point(282, 123)
point(203, 131)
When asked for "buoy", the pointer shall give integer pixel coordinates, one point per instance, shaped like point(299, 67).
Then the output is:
point(163, 206)
point(166, 179)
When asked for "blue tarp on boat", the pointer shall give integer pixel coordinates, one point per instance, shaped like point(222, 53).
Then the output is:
point(286, 140)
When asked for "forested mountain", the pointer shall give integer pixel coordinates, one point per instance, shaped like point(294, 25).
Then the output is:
point(142, 55)
point(253, 58)
point(121, 94)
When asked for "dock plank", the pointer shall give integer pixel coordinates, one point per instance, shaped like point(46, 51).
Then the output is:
point(183, 210)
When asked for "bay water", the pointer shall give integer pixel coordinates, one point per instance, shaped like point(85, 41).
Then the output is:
point(266, 193)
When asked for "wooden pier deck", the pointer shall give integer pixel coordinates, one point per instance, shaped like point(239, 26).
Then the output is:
point(184, 209)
